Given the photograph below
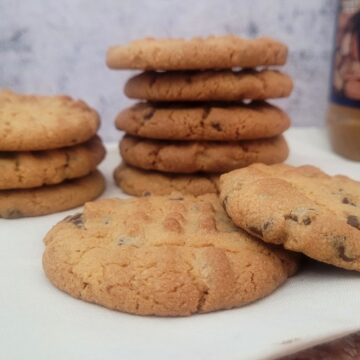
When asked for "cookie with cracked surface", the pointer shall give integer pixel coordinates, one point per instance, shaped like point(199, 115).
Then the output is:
point(301, 208)
point(167, 256)
point(139, 182)
point(50, 199)
point(20, 170)
point(224, 85)
point(201, 156)
point(219, 122)
point(29, 122)
point(213, 52)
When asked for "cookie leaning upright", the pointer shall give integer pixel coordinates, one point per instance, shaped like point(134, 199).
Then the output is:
point(167, 256)
point(49, 152)
point(302, 208)
point(195, 118)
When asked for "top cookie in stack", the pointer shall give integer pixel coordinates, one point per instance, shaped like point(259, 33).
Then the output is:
point(49, 152)
point(204, 111)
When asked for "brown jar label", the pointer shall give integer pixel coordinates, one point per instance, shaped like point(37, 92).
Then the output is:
point(345, 77)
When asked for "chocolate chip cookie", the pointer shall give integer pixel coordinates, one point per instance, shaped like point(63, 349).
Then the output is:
point(201, 156)
point(167, 256)
point(213, 52)
point(206, 121)
point(223, 85)
point(139, 182)
point(302, 208)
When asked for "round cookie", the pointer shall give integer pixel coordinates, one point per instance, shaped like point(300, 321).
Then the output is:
point(302, 208)
point(201, 156)
point(224, 85)
point(20, 170)
point(167, 256)
point(52, 198)
point(29, 123)
point(139, 182)
point(219, 122)
point(213, 52)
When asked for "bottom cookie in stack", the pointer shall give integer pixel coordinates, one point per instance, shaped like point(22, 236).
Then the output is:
point(138, 182)
point(51, 198)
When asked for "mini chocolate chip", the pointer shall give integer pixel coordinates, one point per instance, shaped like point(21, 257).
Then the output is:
point(149, 114)
point(346, 200)
point(353, 221)
point(76, 219)
point(306, 221)
point(266, 225)
point(146, 193)
point(216, 126)
point(205, 112)
point(341, 252)
point(7, 155)
point(255, 231)
point(14, 214)
point(291, 217)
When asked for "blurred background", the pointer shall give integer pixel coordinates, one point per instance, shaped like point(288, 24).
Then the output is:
point(51, 47)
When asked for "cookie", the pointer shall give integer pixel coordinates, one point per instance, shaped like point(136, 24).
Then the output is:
point(224, 122)
point(167, 256)
point(225, 85)
point(201, 156)
point(213, 52)
point(302, 208)
point(139, 182)
point(21, 170)
point(52, 198)
point(29, 123)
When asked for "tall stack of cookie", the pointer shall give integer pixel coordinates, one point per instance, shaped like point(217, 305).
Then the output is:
point(49, 152)
point(204, 112)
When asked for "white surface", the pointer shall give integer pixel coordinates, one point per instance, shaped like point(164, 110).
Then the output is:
point(37, 321)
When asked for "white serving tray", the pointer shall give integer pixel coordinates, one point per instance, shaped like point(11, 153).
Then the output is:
point(37, 321)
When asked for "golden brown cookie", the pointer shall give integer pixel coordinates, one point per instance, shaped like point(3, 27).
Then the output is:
point(29, 122)
point(20, 170)
point(139, 182)
point(213, 52)
point(201, 156)
point(215, 121)
point(302, 208)
point(167, 256)
point(224, 85)
point(51, 198)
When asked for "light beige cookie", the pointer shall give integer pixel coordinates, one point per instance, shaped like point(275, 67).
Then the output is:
point(213, 52)
point(20, 170)
point(29, 122)
point(303, 209)
point(201, 156)
point(139, 182)
point(167, 256)
point(51, 198)
point(224, 85)
point(214, 121)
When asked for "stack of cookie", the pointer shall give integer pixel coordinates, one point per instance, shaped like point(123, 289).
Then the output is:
point(49, 152)
point(201, 117)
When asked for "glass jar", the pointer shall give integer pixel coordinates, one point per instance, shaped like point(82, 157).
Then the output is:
point(343, 117)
